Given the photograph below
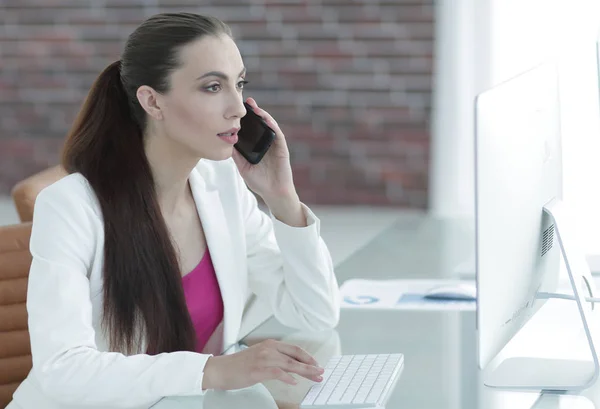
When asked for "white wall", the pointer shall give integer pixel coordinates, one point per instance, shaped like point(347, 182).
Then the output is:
point(581, 122)
point(519, 34)
point(526, 32)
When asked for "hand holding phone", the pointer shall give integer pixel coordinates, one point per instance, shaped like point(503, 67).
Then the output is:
point(255, 136)
point(272, 179)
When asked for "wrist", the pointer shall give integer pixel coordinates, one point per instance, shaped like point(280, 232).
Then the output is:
point(282, 202)
point(280, 196)
point(213, 378)
point(288, 210)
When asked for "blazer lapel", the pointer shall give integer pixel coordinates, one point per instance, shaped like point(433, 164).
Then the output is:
point(214, 223)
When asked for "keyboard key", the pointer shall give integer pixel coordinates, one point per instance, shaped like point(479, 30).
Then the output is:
point(348, 396)
point(353, 380)
point(359, 398)
point(310, 397)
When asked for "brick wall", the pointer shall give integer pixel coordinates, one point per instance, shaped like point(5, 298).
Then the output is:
point(349, 82)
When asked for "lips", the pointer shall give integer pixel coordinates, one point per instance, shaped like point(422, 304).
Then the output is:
point(229, 136)
point(229, 132)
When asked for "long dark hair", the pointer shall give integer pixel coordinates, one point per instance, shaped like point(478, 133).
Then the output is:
point(143, 294)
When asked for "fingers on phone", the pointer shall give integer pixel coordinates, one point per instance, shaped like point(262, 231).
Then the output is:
point(259, 111)
point(270, 121)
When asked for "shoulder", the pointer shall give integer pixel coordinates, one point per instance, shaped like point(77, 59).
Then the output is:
point(66, 218)
point(71, 195)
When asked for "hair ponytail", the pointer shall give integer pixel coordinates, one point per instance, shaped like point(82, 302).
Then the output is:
point(94, 139)
point(143, 294)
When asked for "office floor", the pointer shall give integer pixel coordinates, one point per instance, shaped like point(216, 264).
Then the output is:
point(344, 229)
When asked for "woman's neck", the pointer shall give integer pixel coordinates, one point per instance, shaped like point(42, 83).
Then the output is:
point(171, 168)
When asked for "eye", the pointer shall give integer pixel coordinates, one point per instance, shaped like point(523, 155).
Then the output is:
point(241, 84)
point(213, 88)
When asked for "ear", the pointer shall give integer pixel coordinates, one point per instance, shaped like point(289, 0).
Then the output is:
point(148, 99)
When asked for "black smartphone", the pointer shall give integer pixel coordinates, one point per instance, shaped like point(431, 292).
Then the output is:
point(254, 137)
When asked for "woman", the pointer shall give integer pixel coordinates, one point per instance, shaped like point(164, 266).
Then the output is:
point(156, 191)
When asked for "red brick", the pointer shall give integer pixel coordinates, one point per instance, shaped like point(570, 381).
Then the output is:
point(352, 97)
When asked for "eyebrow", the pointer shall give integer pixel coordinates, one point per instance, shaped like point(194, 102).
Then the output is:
point(220, 74)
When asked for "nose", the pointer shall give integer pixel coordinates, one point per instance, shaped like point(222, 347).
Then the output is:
point(236, 108)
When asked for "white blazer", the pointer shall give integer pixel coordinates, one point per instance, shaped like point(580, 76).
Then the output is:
point(289, 268)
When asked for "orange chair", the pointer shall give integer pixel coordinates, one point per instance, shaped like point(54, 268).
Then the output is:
point(25, 192)
point(15, 261)
point(15, 349)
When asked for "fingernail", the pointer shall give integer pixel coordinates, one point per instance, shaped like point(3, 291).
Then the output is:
point(319, 379)
point(321, 370)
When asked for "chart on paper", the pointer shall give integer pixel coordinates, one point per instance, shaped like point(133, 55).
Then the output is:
point(401, 295)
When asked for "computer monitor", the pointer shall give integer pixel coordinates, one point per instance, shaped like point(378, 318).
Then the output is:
point(598, 59)
point(521, 230)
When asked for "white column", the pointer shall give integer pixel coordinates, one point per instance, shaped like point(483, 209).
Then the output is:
point(461, 71)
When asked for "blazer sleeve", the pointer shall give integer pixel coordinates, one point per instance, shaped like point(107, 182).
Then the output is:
point(66, 361)
point(290, 267)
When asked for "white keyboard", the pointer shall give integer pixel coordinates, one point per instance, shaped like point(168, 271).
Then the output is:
point(355, 381)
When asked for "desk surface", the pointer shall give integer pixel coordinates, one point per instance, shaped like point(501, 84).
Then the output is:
point(439, 346)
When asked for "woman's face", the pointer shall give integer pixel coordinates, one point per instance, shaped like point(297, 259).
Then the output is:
point(205, 98)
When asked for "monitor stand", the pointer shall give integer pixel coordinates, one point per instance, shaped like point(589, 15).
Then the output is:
point(528, 373)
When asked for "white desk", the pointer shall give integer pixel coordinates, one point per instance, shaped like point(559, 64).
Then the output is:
point(439, 346)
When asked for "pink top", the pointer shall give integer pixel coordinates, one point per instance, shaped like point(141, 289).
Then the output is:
point(203, 298)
